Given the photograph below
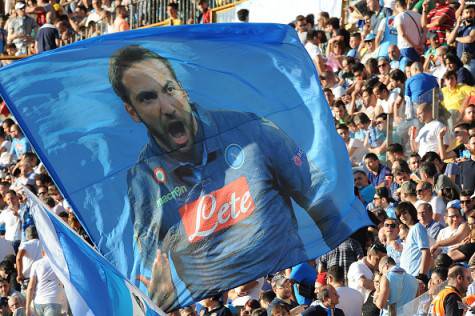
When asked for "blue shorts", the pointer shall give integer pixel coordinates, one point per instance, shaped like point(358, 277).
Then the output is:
point(411, 54)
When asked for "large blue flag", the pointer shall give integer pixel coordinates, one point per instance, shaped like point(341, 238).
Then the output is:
point(197, 157)
point(92, 285)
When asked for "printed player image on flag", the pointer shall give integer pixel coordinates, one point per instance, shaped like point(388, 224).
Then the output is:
point(198, 158)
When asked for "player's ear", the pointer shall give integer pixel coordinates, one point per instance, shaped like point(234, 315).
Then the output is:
point(133, 114)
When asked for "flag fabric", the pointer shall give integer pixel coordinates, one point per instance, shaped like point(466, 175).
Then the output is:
point(198, 157)
point(92, 285)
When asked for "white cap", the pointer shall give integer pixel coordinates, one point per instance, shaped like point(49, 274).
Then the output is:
point(19, 5)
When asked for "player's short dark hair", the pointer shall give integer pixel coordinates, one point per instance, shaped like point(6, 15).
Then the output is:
point(125, 58)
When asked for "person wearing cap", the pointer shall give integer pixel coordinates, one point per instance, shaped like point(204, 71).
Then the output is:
point(456, 231)
point(449, 300)
point(396, 286)
point(425, 217)
point(370, 45)
point(361, 273)
point(21, 29)
point(415, 255)
point(282, 288)
point(408, 192)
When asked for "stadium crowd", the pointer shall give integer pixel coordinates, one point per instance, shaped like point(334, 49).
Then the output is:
point(398, 76)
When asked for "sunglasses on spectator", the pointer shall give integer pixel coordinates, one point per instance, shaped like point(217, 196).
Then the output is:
point(420, 191)
point(390, 225)
point(379, 122)
point(382, 65)
point(464, 201)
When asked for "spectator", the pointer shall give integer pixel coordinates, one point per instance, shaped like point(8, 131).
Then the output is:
point(466, 203)
point(282, 288)
point(396, 287)
point(454, 94)
point(457, 149)
point(214, 306)
point(426, 139)
point(425, 217)
point(396, 60)
point(467, 168)
point(11, 218)
point(466, 250)
point(463, 33)
point(205, 12)
point(445, 239)
point(409, 31)
point(29, 251)
point(44, 290)
point(351, 301)
point(426, 194)
point(365, 189)
point(20, 144)
point(21, 29)
point(440, 19)
point(48, 36)
point(6, 246)
point(383, 200)
point(415, 255)
point(16, 303)
point(355, 42)
point(355, 147)
point(377, 14)
point(370, 48)
point(265, 298)
point(418, 88)
point(327, 300)
point(393, 243)
point(408, 192)
point(302, 28)
point(312, 45)
point(361, 272)
point(120, 22)
point(377, 172)
point(449, 300)
point(96, 14)
point(3, 33)
point(453, 63)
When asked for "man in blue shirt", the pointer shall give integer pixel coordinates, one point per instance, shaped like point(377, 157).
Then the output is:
point(419, 87)
point(377, 172)
point(211, 189)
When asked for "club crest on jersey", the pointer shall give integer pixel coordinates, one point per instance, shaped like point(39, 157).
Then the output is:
point(159, 175)
point(234, 156)
point(297, 158)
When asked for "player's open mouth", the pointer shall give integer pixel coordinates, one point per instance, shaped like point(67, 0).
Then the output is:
point(177, 132)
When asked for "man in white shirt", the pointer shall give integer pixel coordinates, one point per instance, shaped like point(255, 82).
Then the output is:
point(427, 138)
point(44, 289)
point(409, 31)
point(28, 252)
point(351, 301)
point(11, 217)
point(355, 147)
point(456, 226)
point(360, 274)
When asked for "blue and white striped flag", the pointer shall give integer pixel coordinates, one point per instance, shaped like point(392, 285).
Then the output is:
point(92, 285)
